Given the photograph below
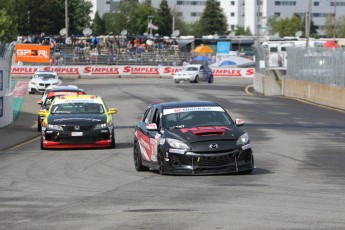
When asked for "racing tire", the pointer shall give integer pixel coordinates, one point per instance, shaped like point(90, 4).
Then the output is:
point(210, 80)
point(161, 164)
point(196, 80)
point(137, 159)
point(177, 81)
point(42, 146)
point(113, 144)
point(39, 124)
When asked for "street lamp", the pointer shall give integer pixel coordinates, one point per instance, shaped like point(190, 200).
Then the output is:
point(66, 17)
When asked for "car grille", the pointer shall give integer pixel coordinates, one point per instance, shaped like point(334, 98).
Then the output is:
point(45, 85)
point(76, 140)
point(74, 128)
point(213, 159)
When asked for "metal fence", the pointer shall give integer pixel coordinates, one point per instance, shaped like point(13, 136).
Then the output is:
point(319, 65)
point(70, 55)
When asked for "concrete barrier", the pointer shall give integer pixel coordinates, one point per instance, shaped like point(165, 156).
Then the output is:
point(328, 95)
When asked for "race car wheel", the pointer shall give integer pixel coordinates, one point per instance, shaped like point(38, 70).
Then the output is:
point(161, 163)
point(177, 81)
point(210, 80)
point(42, 146)
point(113, 145)
point(39, 125)
point(137, 159)
point(196, 80)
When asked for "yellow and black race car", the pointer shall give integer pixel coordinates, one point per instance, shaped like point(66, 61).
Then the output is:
point(78, 121)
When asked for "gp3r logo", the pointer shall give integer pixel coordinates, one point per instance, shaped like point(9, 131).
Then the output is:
point(32, 53)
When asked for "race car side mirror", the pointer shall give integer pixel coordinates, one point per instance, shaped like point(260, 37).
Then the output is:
point(151, 127)
point(112, 111)
point(43, 112)
point(239, 122)
point(39, 102)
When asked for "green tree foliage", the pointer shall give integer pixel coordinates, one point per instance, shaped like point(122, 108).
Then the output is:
point(286, 26)
point(98, 24)
point(341, 27)
point(36, 16)
point(329, 26)
point(164, 19)
point(213, 19)
point(313, 28)
point(132, 16)
point(241, 31)
point(8, 25)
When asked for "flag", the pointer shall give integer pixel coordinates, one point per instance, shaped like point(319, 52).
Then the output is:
point(151, 26)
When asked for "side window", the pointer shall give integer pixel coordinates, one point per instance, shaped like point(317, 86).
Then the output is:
point(155, 118)
point(149, 117)
point(143, 119)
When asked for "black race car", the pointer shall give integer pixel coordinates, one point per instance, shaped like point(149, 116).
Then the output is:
point(191, 137)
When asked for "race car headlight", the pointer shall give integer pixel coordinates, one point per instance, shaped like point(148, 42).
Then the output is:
point(56, 127)
point(243, 139)
point(33, 83)
point(103, 125)
point(177, 144)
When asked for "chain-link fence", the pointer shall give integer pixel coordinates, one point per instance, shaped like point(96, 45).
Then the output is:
point(319, 65)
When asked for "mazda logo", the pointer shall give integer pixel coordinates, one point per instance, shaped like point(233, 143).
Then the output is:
point(213, 146)
point(77, 127)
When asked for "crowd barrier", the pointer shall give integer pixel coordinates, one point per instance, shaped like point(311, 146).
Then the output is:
point(124, 71)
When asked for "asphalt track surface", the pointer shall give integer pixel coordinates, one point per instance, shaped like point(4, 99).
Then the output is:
point(298, 182)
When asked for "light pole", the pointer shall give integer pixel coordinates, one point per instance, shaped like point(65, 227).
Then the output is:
point(335, 20)
point(307, 21)
point(66, 17)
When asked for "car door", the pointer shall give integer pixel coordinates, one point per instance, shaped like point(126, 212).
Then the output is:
point(201, 73)
point(148, 134)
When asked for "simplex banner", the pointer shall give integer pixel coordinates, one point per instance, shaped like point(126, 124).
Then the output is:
point(126, 70)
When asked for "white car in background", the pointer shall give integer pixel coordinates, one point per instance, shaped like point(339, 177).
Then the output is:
point(41, 80)
point(194, 73)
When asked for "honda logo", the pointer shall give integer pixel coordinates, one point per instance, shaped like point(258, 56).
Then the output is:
point(76, 127)
point(213, 146)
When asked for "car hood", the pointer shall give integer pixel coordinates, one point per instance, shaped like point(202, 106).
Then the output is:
point(80, 119)
point(205, 133)
point(186, 72)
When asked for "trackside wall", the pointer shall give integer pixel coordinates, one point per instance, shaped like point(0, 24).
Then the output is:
point(328, 95)
point(6, 97)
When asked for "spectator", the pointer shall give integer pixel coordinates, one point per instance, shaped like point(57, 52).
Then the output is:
point(149, 44)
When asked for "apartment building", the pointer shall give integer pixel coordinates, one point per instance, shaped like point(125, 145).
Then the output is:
point(248, 13)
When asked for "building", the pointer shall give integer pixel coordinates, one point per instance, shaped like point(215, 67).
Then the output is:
point(247, 13)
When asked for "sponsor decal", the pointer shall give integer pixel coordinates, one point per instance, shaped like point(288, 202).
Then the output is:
point(63, 101)
point(141, 70)
point(191, 109)
point(24, 70)
point(171, 70)
point(205, 129)
point(32, 53)
point(75, 118)
point(62, 70)
point(101, 70)
point(233, 72)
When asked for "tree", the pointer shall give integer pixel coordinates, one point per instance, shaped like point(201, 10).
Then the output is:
point(241, 31)
point(342, 27)
point(286, 26)
point(164, 19)
point(313, 28)
point(213, 19)
point(98, 24)
point(8, 25)
point(329, 26)
point(36, 16)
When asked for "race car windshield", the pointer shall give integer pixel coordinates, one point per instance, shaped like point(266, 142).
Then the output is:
point(196, 119)
point(77, 108)
point(46, 76)
point(191, 68)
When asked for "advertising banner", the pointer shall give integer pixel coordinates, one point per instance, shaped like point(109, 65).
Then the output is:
point(126, 70)
point(32, 53)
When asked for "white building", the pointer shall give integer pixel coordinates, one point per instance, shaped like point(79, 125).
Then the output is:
point(246, 13)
